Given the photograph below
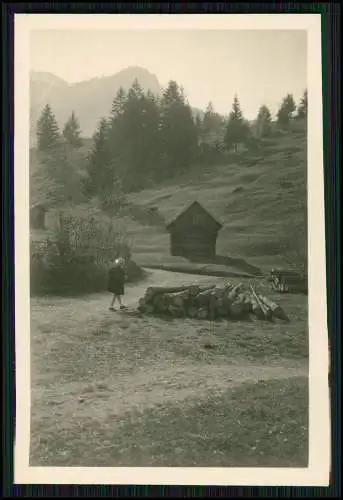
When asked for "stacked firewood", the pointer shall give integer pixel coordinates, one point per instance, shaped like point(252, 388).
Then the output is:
point(288, 281)
point(209, 302)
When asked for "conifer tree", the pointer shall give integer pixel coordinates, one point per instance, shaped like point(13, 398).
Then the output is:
point(237, 128)
point(302, 108)
point(172, 95)
point(178, 132)
point(212, 121)
point(48, 133)
point(287, 108)
point(134, 137)
point(72, 132)
point(135, 90)
point(264, 121)
point(198, 122)
point(118, 103)
point(99, 171)
point(59, 176)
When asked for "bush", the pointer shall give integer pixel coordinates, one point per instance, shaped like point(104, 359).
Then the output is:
point(292, 127)
point(76, 260)
point(298, 126)
point(212, 153)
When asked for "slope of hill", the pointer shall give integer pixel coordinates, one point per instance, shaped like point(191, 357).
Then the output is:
point(43, 86)
point(82, 97)
point(260, 200)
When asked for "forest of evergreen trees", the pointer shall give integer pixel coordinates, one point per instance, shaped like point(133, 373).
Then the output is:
point(144, 139)
point(147, 138)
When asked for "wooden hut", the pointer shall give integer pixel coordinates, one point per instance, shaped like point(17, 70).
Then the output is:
point(37, 216)
point(193, 234)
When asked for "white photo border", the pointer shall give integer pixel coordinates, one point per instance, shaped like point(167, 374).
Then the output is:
point(317, 472)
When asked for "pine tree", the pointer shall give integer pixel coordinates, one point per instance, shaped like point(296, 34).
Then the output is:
point(302, 108)
point(136, 90)
point(198, 127)
point(115, 125)
point(48, 133)
point(58, 176)
point(237, 128)
point(212, 128)
point(118, 103)
point(198, 121)
point(72, 132)
point(153, 97)
point(287, 108)
point(212, 121)
point(264, 121)
point(150, 121)
point(136, 138)
point(208, 118)
point(99, 168)
point(178, 132)
point(172, 95)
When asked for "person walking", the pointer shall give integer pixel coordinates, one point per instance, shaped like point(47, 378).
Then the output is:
point(116, 283)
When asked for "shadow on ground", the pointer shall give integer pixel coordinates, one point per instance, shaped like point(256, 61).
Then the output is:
point(224, 260)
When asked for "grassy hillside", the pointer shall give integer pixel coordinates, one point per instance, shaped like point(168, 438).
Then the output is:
point(259, 199)
point(258, 196)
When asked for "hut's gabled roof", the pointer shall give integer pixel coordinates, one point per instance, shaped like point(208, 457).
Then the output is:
point(195, 206)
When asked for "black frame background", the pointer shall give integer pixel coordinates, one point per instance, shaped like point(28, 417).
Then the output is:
point(330, 13)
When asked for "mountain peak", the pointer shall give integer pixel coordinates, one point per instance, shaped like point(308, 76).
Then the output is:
point(46, 77)
point(135, 69)
point(90, 99)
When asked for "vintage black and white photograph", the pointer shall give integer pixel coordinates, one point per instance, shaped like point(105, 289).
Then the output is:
point(172, 237)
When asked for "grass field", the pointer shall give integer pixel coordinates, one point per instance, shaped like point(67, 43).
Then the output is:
point(111, 389)
point(261, 202)
point(121, 389)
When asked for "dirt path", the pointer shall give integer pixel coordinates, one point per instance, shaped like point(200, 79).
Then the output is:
point(93, 308)
point(147, 389)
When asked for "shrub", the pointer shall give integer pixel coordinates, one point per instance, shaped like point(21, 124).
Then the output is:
point(77, 258)
point(212, 153)
point(146, 216)
point(298, 126)
point(113, 199)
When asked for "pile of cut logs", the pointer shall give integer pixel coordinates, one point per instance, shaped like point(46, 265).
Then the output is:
point(209, 302)
point(288, 281)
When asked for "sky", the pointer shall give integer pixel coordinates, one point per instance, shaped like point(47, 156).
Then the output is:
point(260, 66)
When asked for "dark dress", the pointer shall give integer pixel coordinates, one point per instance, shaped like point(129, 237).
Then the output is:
point(116, 280)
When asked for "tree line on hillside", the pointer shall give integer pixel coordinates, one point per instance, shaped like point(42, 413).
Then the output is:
point(150, 138)
point(49, 135)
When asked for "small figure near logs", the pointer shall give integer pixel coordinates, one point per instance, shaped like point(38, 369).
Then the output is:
point(116, 282)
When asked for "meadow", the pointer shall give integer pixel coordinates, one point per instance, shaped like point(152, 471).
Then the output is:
point(112, 389)
point(260, 198)
point(121, 389)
